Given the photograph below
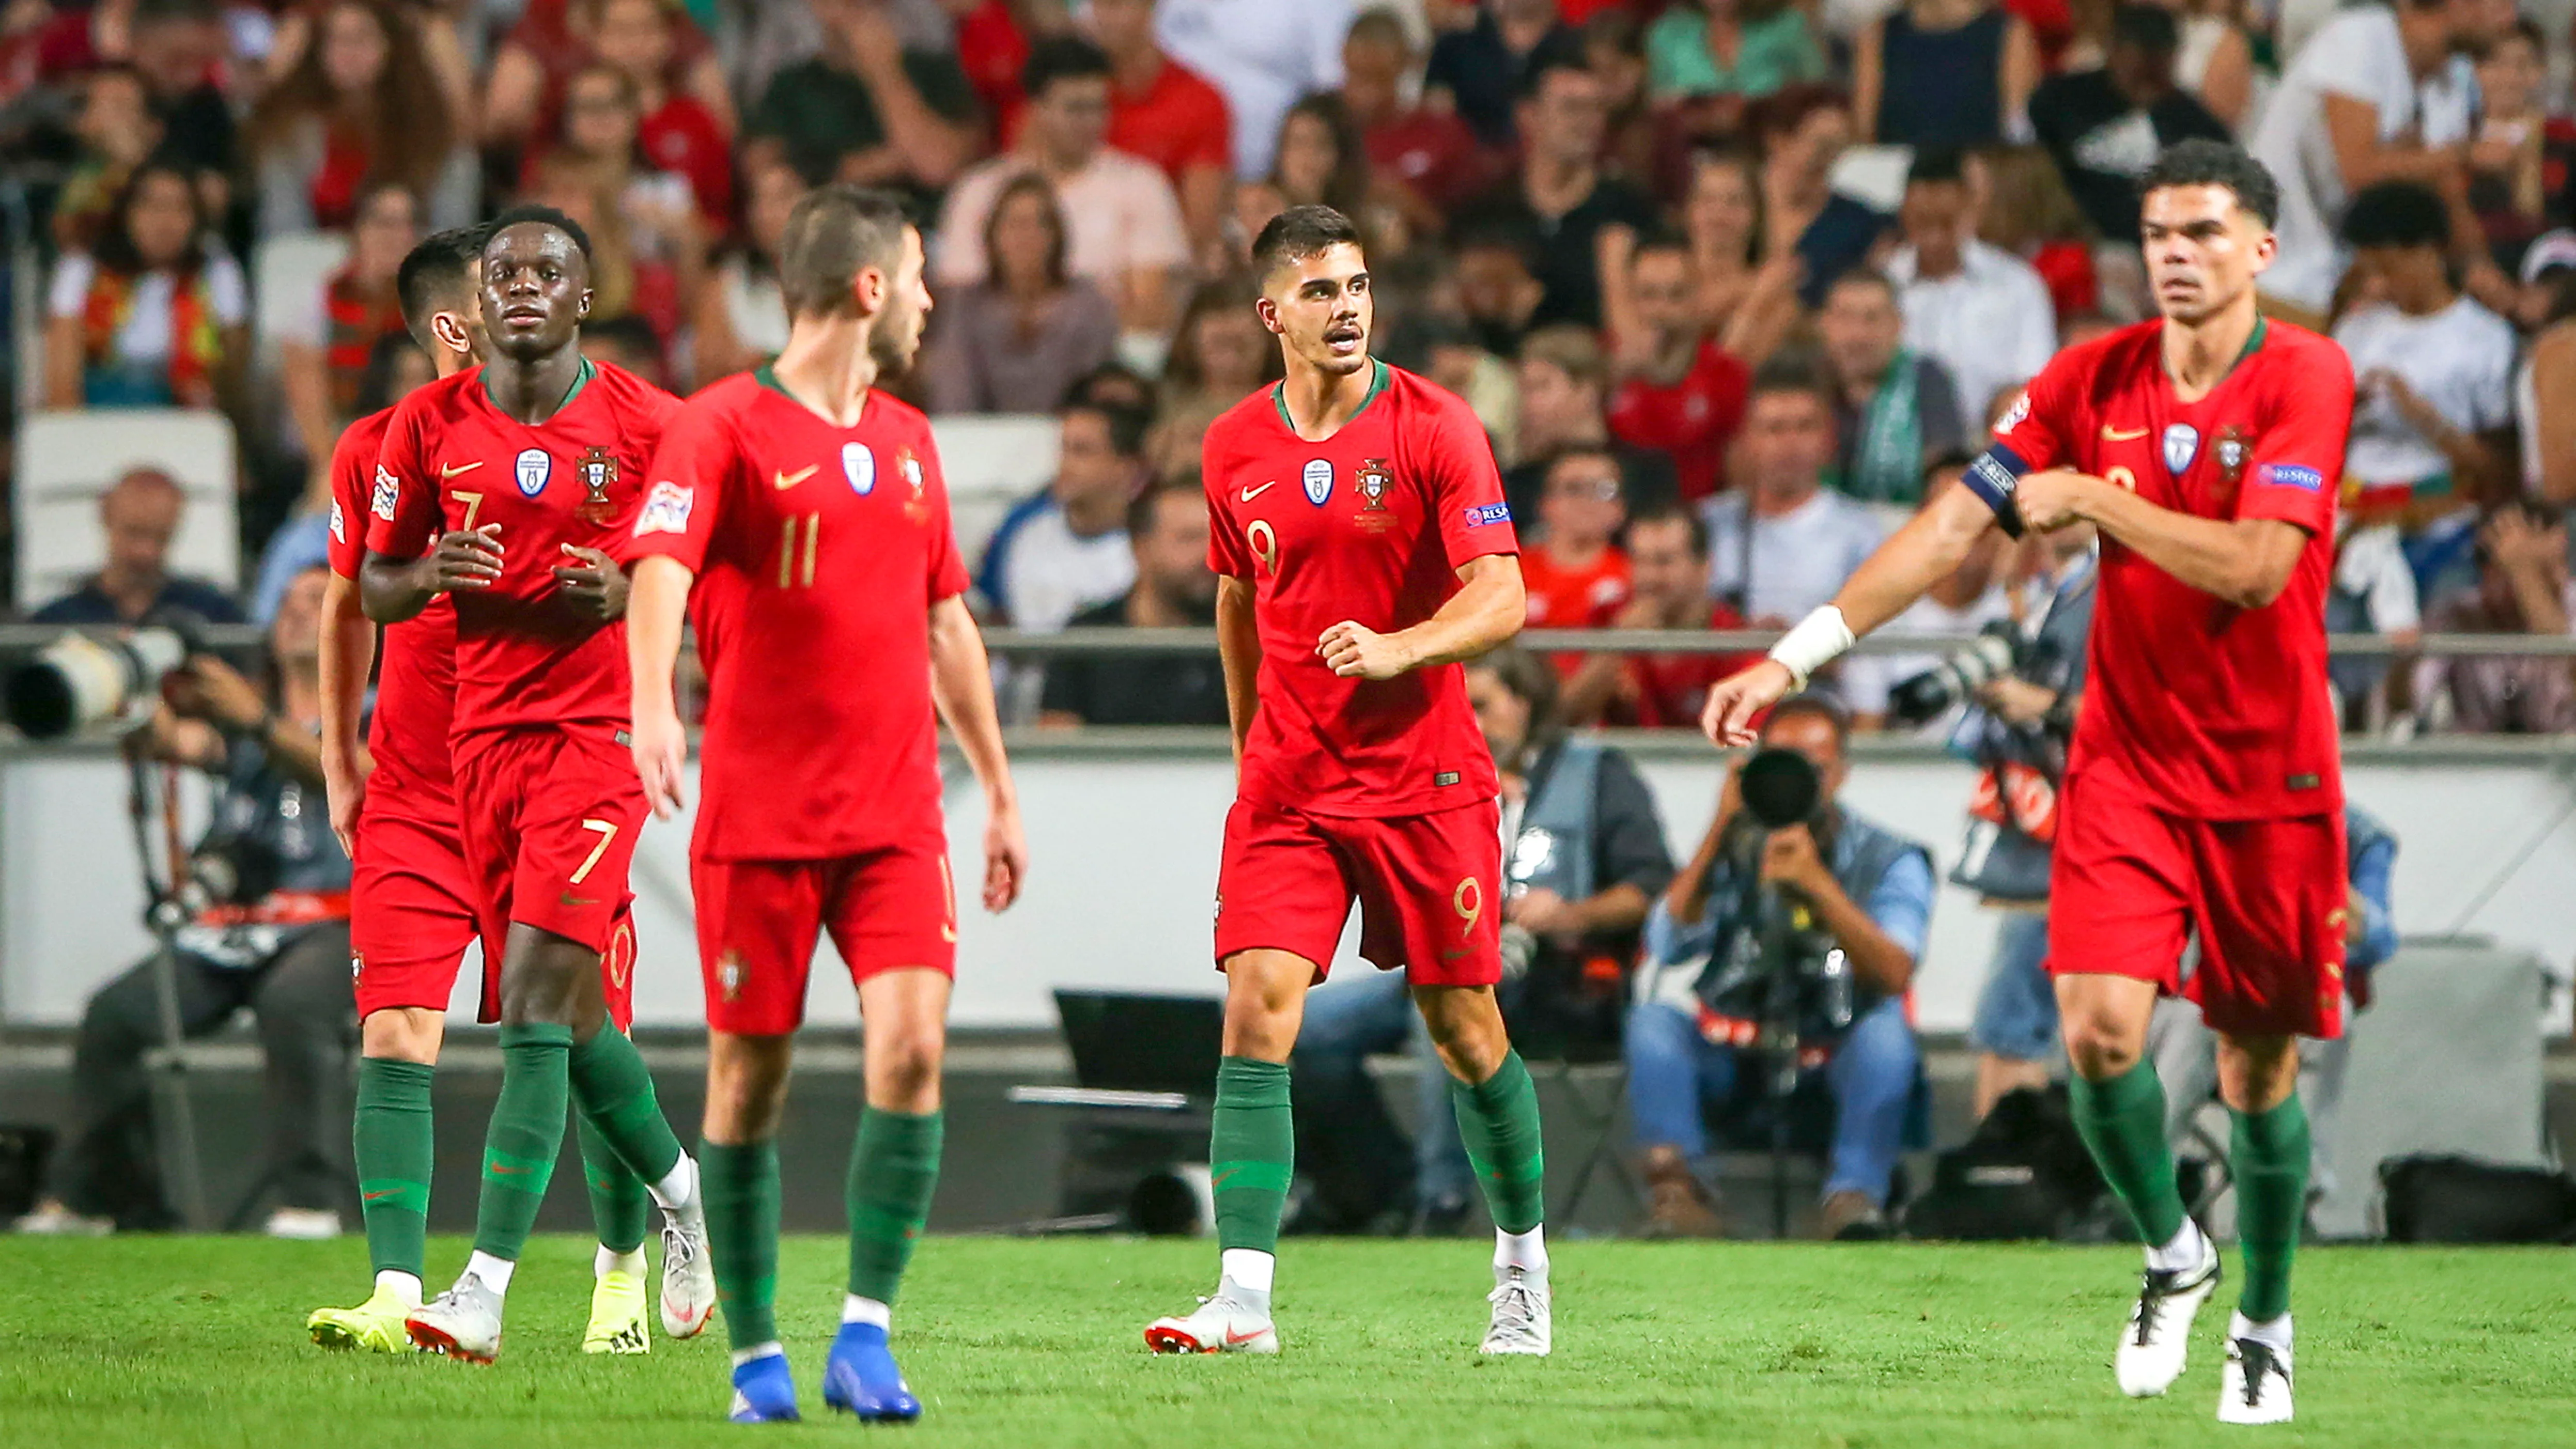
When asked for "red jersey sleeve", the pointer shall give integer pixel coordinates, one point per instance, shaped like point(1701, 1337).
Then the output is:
point(403, 504)
point(353, 470)
point(1213, 129)
point(1466, 487)
point(947, 571)
point(684, 489)
point(1228, 557)
point(2297, 464)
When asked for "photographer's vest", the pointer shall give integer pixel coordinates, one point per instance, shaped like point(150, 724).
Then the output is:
point(1732, 1001)
point(1553, 849)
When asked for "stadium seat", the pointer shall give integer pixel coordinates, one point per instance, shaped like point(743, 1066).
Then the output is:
point(991, 462)
point(286, 272)
point(66, 459)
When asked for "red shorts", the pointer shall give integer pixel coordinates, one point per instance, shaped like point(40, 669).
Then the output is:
point(1426, 885)
point(758, 920)
point(550, 820)
point(411, 916)
point(2267, 899)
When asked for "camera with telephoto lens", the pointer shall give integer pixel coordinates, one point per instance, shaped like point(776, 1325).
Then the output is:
point(1998, 651)
point(1782, 959)
point(80, 681)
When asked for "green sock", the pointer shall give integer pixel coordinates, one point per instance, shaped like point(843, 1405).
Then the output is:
point(526, 1134)
point(615, 1095)
point(391, 1137)
point(894, 1167)
point(1252, 1149)
point(2122, 1122)
point(618, 1202)
point(740, 1186)
point(1498, 1122)
point(2271, 1166)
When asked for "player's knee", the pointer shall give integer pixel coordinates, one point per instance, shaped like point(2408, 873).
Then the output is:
point(402, 1034)
point(904, 1072)
point(2100, 1048)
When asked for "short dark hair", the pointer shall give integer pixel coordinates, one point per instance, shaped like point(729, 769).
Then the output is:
point(1108, 377)
point(1692, 524)
point(1140, 509)
point(376, 384)
point(2397, 214)
point(1662, 238)
point(1382, 25)
point(1548, 62)
point(2203, 162)
point(437, 271)
point(833, 233)
point(1298, 233)
point(531, 214)
point(1127, 426)
point(1603, 450)
point(2151, 28)
point(1863, 275)
point(1791, 372)
point(1940, 165)
point(1061, 57)
point(629, 333)
point(1823, 706)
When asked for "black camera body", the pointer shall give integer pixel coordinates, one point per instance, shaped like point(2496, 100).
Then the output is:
point(1780, 962)
point(1998, 652)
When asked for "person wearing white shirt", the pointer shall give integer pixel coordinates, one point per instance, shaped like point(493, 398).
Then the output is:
point(1124, 232)
point(1264, 54)
point(1978, 310)
point(1782, 544)
point(2373, 96)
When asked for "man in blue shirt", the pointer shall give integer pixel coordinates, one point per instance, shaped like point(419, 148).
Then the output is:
point(1860, 897)
point(140, 514)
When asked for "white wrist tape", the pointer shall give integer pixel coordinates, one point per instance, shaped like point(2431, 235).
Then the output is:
point(1817, 641)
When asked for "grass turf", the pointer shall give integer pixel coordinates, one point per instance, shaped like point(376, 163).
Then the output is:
point(185, 1342)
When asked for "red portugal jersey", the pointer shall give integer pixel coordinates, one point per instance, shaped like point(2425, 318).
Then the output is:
point(1370, 525)
point(819, 551)
point(2214, 712)
point(451, 460)
point(416, 674)
point(1693, 418)
point(1574, 598)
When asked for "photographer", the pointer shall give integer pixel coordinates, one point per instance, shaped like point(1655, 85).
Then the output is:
point(2018, 736)
point(277, 942)
point(1586, 858)
point(1808, 925)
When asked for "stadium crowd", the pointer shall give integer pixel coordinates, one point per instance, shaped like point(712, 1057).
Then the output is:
point(1731, 283)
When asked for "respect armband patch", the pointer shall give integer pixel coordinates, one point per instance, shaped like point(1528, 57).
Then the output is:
point(2291, 475)
point(666, 510)
point(1994, 477)
point(1480, 514)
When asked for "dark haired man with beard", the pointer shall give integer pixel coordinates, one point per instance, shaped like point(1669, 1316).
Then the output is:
point(801, 511)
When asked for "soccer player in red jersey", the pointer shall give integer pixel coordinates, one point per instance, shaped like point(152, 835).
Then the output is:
point(2204, 793)
point(801, 510)
point(1363, 549)
point(412, 913)
point(500, 486)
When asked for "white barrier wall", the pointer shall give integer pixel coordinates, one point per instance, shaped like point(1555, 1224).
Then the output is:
point(1123, 846)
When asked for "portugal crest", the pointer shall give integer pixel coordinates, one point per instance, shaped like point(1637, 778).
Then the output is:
point(597, 472)
point(2232, 451)
point(1371, 482)
point(2182, 444)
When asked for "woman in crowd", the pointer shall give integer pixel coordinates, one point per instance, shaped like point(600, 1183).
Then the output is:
point(625, 279)
point(360, 98)
point(323, 353)
point(555, 39)
point(602, 111)
point(678, 132)
point(1220, 354)
point(1321, 161)
point(1013, 342)
point(2519, 164)
point(2215, 60)
point(1742, 50)
point(1749, 303)
point(154, 316)
point(1943, 73)
point(741, 318)
point(2028, 212)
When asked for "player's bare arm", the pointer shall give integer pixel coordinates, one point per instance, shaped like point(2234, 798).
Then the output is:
point(1238, 649)
point(348, 650)
point(655, 609)
point(1930, 546)
point(1488, 608)
point(2241, 561)
point(464, 561)
point(961, 684)
point(592, 582)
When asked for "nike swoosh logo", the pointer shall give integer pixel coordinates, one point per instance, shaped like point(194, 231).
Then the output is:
point(450, 470)
point(2111, 434)
point(505, 1170)
point(1251, 493)
point(380, 1194)
point(784, 481)
point(1233, 1337)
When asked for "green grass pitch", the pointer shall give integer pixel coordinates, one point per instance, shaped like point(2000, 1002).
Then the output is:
point(186, 1342)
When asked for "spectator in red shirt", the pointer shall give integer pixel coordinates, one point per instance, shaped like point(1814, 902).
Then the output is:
point(1668, 582)
point(1562, 384)
point(1162, 111)
point(677, 131)
point(1575, 574)
point(551, 43)
point(1676, 389)
point(1427, 159)
point(362, 99)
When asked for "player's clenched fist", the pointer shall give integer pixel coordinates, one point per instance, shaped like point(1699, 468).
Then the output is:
point(1357, 651)
point(593, 582)
point(661, 748)
point(466, 560)
point(1727, 718)
point(1006, 857)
